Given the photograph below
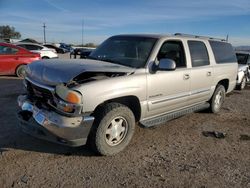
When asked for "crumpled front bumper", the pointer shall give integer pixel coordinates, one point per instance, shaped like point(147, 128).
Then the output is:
point(51, 126)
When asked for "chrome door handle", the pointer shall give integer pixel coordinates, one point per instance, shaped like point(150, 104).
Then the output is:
point(186, 76)
point(209, 73)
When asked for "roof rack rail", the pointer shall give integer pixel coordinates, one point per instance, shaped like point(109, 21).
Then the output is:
point(197, 36)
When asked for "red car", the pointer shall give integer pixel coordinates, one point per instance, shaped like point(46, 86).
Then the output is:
point(13, 59)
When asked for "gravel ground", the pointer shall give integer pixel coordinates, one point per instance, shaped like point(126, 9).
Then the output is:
point(172, 155)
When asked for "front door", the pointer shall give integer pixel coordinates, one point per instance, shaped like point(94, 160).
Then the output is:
point(169, 90)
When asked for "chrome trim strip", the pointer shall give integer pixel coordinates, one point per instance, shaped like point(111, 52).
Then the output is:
point(195, 92)
point(170, 98)
point(198, 91)
point(51, 89)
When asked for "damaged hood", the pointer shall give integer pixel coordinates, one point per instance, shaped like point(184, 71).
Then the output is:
point(53, 72)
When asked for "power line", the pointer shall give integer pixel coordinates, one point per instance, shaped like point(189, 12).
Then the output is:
point(82, 30)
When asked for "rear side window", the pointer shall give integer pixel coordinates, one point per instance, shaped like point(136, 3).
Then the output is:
point(223, 52)
point(6, 50)
point(33, 47)
point(198, 52)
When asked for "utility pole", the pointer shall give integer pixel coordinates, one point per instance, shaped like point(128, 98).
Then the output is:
point(82, 30)
point(44, 34)
point(227, 38)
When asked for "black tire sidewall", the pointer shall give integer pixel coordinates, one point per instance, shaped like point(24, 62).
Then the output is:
point(217, 90)
point(243, 79)
point(100, 138)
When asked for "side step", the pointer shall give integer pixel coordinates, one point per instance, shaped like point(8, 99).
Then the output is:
point(173, 115)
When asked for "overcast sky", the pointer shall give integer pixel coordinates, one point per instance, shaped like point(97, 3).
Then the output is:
point(102, 19)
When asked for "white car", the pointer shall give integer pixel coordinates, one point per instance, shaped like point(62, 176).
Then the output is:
point(45, 53)
point(243, 69)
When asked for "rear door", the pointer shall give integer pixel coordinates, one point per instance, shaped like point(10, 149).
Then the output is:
point(201, 76)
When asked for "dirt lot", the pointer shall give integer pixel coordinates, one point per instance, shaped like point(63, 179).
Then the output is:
point(173, 155)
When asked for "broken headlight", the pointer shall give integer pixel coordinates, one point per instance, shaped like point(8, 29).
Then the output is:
point(70, 98)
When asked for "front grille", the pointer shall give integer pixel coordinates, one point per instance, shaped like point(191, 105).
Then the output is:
point(39, 92)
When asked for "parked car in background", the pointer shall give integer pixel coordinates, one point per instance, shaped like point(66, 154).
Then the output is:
point(82, 52)
point(66, 47)
point(85, 53)
point(243, 77)
point(44, 52)
point(57, 49)
point(13, 59)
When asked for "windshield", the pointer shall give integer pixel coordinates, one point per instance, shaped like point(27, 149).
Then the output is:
point(131, 51)
point(242, 58)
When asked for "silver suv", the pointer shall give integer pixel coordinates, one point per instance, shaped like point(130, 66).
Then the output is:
point(129, 79)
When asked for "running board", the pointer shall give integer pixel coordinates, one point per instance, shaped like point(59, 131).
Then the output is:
point(173, 115)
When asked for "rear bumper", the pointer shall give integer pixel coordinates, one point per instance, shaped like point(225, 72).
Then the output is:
point(50, 126)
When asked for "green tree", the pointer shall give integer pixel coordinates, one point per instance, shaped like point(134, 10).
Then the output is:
point(7, 31)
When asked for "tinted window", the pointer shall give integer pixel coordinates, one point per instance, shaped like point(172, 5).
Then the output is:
point(248, 60)
point(223, 52)
point(198, 52)
point(242, 58)
point(173, 50)
point(33, 47)
point(129, 51)
point(7, 50)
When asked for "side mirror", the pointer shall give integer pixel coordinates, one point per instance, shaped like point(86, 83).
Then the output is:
point(166, 65)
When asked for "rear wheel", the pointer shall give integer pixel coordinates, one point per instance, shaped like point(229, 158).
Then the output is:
point(113, 129)
point(217, 99)
point(45, 57)
point(20, 71)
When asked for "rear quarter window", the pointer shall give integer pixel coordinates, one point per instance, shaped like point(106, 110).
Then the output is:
point(223, 52)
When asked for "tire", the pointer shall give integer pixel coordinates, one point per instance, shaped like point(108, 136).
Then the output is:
point(112, 130)
point(242, 84)
point(217, 99)
point(45, 57)
point(20, 71)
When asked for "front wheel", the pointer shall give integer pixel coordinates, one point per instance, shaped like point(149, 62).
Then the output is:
point(113, 129)
point(217, 99)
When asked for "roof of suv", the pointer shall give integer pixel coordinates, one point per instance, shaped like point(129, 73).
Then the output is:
point(176, 35)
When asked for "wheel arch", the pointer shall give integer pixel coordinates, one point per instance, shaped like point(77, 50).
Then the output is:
point(132, 102)
point(224, 82)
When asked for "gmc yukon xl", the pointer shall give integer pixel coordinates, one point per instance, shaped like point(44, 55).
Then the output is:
point(128, 79)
